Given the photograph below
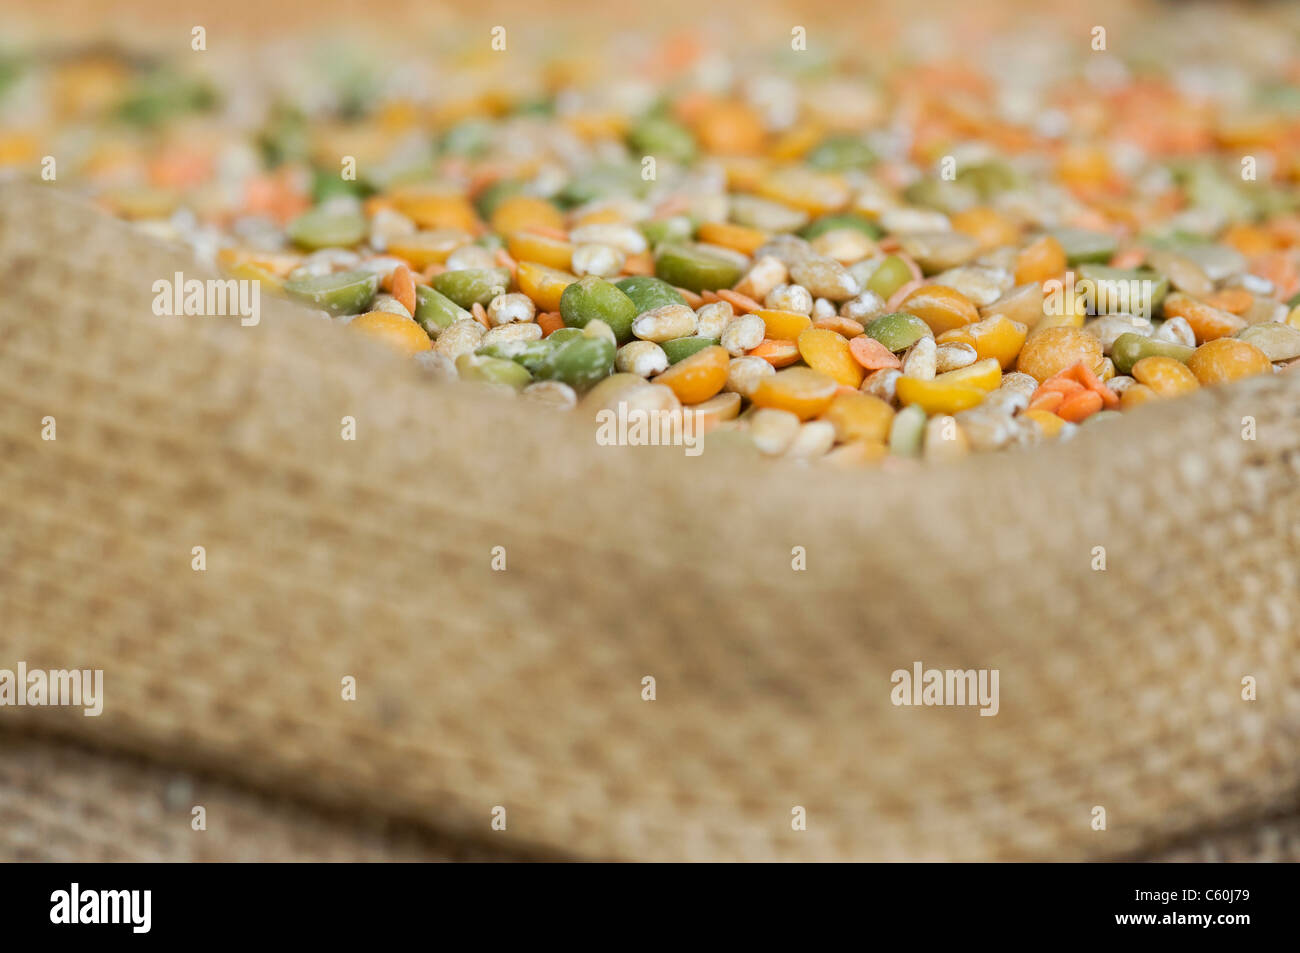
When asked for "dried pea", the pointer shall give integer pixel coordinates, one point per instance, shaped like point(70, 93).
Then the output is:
point(676, 228)
point(401, 334)
point(1122, 290)
point(545, 286)
point(937, 396)
point(803, 391)
point(1082, 245)
point(695, 267)
point(660, 136)
point(493, 370)
point(829, 353)
point(898, 331)
point(347, 292)
point(941, 307)
point(890, 275)
point(564, 334)
point(697, 378)
point(581, 362)
point(648, 293)
point(1227, 359)
point(592, 298)
point(435, 311)
point(831, 223)
point(325, 228)
point(1165, 375)
point(860, 417)
point(471, 286)
point(679, 349)
point(528, 354)
point(784, 325)
point(1130, 348)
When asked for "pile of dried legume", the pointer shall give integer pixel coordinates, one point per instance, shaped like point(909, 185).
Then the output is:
point(906, 267)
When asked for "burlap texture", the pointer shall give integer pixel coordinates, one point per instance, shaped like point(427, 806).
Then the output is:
point(522, 688)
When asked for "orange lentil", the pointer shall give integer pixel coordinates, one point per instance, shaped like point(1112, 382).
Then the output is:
point(778, 353)
point(1078, 406)
point(873, 355)
point(1279, 268)
point(1233, 300)
point(550, 321)
point(672, 206)
point(1061, 384)
point(844, 326)
point(693, 299)
point(1088, 378)
point(1128, 258)
point(1208, 323)
point(738, 301)
point(404, 288)
point(639, 264)
point(1248, 239)
point(1049, 400)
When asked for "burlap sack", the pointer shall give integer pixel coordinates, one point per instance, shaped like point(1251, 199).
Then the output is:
point(522, 688)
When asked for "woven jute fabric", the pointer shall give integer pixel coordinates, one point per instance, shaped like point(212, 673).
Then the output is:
point(479, 688)
point(62, 802)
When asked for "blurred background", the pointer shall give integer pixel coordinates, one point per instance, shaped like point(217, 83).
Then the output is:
point(417, 91)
